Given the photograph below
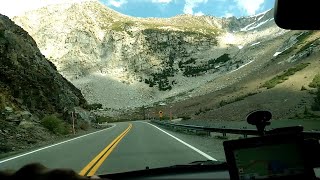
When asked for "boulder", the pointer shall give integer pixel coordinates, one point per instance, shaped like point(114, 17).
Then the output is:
point(26, 124)
point(8, 109)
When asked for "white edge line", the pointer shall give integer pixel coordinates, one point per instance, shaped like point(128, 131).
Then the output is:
point(188, 145)
point(46, 147)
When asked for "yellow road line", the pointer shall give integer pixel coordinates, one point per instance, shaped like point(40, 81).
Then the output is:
point(99, 163)
point(104, 151)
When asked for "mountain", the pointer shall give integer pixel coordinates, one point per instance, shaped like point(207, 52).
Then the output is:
point(30, 88)
point(29, 77)
point(256, 22)
point(123, 62)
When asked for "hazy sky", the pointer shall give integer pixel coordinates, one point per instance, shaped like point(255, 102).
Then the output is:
point(154, 8)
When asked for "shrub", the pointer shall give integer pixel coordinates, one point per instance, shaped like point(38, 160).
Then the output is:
point(94, 106)
point(84, 125)
point(284, 76)
point(239, 98)
point(306, 111)
point(4, 148)
point(55, 125)
point(103, 119)
point(2, 102)
point(223, 103)
point(303, 88)
point(165, 118)
point(316, 104)
point(315, 82)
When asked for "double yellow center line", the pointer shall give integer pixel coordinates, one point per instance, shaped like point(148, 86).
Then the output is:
point(94, 165)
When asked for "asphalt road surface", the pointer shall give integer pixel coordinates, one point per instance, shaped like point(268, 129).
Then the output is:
point(127, 146)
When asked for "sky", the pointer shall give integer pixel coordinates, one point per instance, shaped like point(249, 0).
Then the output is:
point(154, 8)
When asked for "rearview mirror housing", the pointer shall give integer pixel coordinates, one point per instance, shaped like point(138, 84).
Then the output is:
point(297, 14)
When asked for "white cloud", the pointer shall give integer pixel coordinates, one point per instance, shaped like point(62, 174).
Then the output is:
point(228, 14)
point(17, 7)
point(200, 13)
point(116, 3)
point(190, 4)
point(161, 1)
point(250, 6)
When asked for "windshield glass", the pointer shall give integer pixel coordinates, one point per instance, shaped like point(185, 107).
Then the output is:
point(104, 86)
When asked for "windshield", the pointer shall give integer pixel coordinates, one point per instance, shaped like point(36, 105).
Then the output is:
point(104, 86)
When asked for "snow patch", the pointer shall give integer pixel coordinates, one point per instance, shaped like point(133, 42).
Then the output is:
point(262, 13)
point(276, 54)
point(240, 67)
point(245, 28)
point(258, 25)
point(254, 44)
point(261, 17)
point(251, 27)
point(240, 47)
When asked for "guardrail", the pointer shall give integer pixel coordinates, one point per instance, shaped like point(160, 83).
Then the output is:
point(224, 130)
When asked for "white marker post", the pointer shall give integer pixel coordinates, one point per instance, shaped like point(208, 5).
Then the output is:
point(72, 115)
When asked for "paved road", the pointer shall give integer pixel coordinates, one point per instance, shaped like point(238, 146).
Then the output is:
point(124, 147)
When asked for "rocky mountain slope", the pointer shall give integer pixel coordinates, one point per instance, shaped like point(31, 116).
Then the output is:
point(122, 61)
point(30, 87)
point(260, 85)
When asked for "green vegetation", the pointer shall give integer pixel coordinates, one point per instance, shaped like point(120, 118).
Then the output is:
point(55, 125)
point(102, 119)
point(161, 78)
point(199, 70)
point(303, 88)
point(189, 61)
point(94, 106)
point(306, 46)
point(225, 102)
point(1, 33)
point(284, 76)
point(306, 115)
point(222, 59)
point(84, 125)
point(239, 98)
point(108, 119)
point(304, 36)
point(2, 101)
point(121, 26)
point(315, 82)
point(300, 40)
point(185, 30)
point(316, 104)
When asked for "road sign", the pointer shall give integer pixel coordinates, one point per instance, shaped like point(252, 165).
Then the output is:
point(160, 114)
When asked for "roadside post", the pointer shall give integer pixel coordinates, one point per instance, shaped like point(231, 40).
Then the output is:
point(72, 116)
point(170, 113)
point(160, 115)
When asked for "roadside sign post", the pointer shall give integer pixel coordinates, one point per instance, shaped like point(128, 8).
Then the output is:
point(160, 115)
point(170, 113)
point(72, 115)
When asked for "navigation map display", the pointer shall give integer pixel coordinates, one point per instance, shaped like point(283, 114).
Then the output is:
point(269, 161)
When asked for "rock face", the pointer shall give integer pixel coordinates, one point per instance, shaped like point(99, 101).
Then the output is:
point(122, 61)
point(30, 87)
point(28, 80)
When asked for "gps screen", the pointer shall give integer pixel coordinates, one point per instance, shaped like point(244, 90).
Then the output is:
point(269, 161)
